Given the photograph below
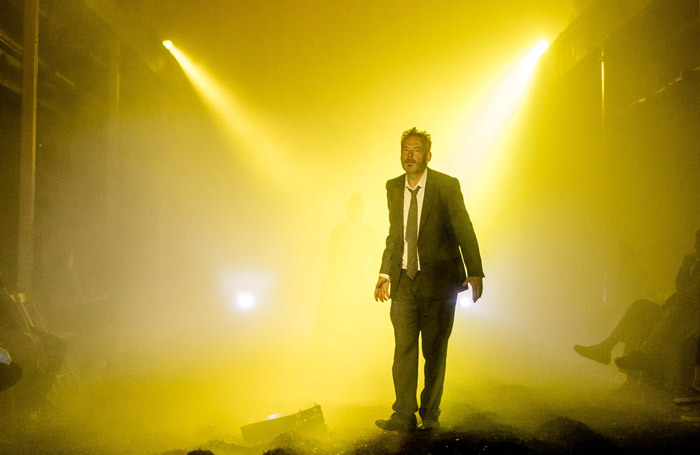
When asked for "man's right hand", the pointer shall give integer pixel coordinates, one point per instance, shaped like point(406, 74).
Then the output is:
point(381, 290)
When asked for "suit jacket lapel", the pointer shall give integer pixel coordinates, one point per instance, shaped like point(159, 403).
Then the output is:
point(428, 199)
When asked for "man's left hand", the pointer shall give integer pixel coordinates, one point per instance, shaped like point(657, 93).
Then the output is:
point(477, 285)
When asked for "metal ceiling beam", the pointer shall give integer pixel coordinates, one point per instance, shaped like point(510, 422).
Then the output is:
point(130, 29)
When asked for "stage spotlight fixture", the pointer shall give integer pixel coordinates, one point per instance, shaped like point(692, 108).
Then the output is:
point(168, 45)
point(307, 421)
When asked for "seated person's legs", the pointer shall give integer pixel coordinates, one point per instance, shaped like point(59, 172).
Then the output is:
point(678, 322)
point(633, 328)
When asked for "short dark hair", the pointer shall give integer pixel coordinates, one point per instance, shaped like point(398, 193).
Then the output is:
point(424, 137)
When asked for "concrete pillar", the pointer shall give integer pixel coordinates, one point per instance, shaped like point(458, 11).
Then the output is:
point(27, 163)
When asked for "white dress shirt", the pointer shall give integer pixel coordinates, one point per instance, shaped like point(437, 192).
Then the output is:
point(406, 205)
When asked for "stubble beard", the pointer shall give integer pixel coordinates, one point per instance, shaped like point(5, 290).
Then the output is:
point(419, 167)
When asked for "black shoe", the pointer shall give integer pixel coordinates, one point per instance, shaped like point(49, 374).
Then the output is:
point(595, 353)
point(396, 423)
point(429, 425)
point(635, 361)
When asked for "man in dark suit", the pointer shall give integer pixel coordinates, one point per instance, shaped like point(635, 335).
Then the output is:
point(428, 226)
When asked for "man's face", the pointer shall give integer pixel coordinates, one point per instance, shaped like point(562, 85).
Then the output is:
point(414, 159)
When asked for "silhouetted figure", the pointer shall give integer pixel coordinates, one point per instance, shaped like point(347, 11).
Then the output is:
point(344, 326)
point(343, 309)
point(693, 392)
point(678, 321)
point(634, 327)
point(429, 225)
point(650, 330)
point(40, 353)
point(691, 397)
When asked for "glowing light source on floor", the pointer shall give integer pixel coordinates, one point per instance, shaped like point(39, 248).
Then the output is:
point(245, 300)
point(244, 290)
point(464, 299)
point(309, 421)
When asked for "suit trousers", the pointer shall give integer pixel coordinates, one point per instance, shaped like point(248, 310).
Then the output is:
point(677, 323)
point(413, 314)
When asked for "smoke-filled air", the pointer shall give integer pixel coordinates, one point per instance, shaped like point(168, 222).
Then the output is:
point(210, 214)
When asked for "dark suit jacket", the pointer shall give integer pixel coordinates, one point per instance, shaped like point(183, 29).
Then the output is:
point(444, 229)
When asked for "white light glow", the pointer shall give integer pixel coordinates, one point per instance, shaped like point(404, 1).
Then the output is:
point(245, 300)
point(244, 290)
point(464, 299)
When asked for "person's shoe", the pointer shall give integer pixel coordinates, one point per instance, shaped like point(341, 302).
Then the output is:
point(429, 425)
point(595, 352)
point(396, 423)
point(635, 361)
point(692, 396)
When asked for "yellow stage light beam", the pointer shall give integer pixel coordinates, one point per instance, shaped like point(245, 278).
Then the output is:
point(483, 157)
point(497, 112)
point(238, 122)
point(504, 102)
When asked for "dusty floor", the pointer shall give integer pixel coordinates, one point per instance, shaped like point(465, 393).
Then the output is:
point(506, 419)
